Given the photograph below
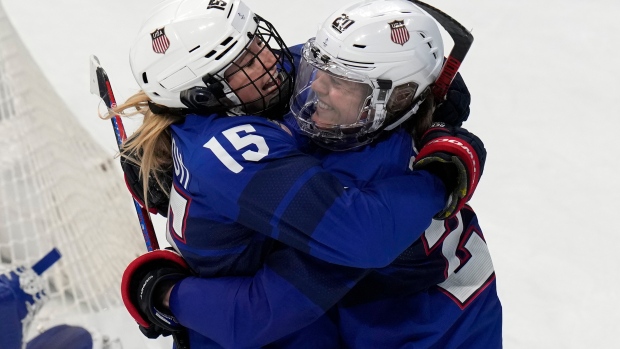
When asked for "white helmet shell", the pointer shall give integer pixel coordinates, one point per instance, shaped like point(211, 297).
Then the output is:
point(186, 40)
point(387, 39)
point(390, 43)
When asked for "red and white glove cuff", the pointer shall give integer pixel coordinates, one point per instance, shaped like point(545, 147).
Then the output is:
point(132, 276)
point(462, 150)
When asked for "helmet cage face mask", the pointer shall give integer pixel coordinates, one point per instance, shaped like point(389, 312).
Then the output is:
point(334, 123)
point(265, 90)
point(183, 53)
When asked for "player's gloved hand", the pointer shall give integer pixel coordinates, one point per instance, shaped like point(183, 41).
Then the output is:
point(22, 294)
point(145, 282)
point(454, 110)
point(157, 197)
point(457, 157)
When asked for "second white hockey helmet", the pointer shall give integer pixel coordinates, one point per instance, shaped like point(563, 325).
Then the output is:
point(386, 51)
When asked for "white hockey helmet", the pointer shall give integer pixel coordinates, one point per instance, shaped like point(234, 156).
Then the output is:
point(185, 47)
point(390, 51)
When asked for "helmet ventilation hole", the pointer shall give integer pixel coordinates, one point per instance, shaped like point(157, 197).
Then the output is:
point(359, 46)
point(210, 54)
point(194, 49)
point(225, 51)
point(144, 78)
point(429, 44)
point(225, 42)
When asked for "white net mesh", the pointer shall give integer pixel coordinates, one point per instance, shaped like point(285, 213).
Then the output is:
point(58, 188)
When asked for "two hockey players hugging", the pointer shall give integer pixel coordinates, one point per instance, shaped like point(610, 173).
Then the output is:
point(315, 195)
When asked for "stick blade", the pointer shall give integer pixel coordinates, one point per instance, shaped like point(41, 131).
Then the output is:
point(99, 82)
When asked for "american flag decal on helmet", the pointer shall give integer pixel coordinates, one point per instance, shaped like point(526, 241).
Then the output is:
point(218, 4)
point(400, 34)
point(160, 41)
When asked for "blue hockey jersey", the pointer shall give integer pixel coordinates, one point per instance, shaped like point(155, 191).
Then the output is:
point(241, 184)
point(295, 286)
point(235, 173)
point(460, 308)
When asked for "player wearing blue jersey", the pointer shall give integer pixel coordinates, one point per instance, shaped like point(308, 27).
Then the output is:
point(237, 173)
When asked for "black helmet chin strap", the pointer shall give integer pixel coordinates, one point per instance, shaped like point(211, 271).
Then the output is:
point(198, 99)
point(162, 109)
point(211, 98)
point(181, 112)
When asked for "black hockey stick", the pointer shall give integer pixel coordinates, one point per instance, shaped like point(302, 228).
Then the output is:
point(462, 42)
point(100, 86)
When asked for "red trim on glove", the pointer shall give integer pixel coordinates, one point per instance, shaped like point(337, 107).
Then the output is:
point(463, 150)
point(130, 271)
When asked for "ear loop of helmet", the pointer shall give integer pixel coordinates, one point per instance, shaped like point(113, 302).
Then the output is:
point(380, 96)
point(414, 109)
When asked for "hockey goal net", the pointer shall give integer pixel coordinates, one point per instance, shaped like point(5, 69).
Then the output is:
point(59, 188)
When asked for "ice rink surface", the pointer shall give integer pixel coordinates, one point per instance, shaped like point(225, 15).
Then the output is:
point(543, 86)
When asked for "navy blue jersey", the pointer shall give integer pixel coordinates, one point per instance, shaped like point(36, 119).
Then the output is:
point(292, 289)
point(460, 310)
point(234, 176)
point(243, 191)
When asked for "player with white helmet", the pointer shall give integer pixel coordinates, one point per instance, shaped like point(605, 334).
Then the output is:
point(237, 178)
point(184, 64)
point(385, 55)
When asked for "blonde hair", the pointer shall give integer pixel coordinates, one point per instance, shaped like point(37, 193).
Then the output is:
point(150, 146)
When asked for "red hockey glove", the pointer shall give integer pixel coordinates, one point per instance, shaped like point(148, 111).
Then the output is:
point(457, 157)
point(145, 281)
